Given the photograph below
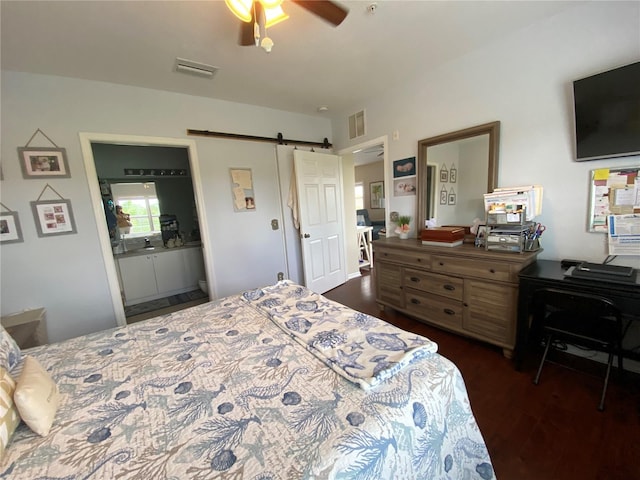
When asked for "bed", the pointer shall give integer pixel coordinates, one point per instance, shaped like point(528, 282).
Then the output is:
point(273, 383)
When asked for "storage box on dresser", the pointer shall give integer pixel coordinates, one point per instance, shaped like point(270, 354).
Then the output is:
point(462, 289)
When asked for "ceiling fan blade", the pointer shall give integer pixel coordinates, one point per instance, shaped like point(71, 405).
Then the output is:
point(247, 35)
point(325, 9)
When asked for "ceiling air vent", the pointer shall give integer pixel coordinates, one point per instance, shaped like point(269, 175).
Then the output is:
point(194, 68)
point(356, 125)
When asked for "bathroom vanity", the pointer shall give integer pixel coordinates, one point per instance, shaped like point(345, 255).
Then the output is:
point(147, 274)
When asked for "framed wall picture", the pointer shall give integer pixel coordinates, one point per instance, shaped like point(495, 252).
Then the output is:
point(453, 174)
point(404, 187)
point(404, 168)
point(443, 196)
point(452, 197)
point(10, 231)
point(376, 194)
point(53, 217)
point(444, 174)
point(43, 162)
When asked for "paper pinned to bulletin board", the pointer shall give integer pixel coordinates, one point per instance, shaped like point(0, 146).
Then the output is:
point(242, 189)
point(614, 191)
point(624, 234)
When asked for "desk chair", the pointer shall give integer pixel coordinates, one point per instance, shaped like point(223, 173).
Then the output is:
point(581, 319)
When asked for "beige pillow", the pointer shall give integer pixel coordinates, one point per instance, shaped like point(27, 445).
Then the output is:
point(9, 418)
point(36, 397)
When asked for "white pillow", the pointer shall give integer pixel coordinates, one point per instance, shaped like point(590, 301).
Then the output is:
point(36, 397)
point(9, 418)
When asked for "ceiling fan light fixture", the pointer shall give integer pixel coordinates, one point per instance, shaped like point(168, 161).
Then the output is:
point(273, 15)
point(270, 3)
point(241, 9)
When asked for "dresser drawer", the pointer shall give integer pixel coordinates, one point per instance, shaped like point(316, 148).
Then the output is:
point(434, 308)
point(451, 287)
point(404, 257)
point(471, 268)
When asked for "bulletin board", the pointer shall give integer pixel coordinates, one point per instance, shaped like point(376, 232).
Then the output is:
point(614, 191)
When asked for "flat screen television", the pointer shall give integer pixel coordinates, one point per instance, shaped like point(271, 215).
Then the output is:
point(607, 114)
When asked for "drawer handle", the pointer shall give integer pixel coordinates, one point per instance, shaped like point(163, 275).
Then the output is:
point(415, 279)
point(418, 260)
point(491, 270)
point(451, 288)
point(441, 264)
point(415, 301)
point(448, 311)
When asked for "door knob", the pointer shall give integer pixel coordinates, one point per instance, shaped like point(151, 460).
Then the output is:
point(306, 235)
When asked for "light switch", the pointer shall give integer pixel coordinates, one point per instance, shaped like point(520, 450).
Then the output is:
point(274, 224)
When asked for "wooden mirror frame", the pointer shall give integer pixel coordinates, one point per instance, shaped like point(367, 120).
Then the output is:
point(492, 129)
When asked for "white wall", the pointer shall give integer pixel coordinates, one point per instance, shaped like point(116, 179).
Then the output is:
point(524, 81)
point(66, 274)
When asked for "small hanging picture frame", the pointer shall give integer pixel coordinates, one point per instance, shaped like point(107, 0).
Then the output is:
point(452, 197)
point(444, 174)
point(43, 162)
point(53, 217)
point(10, 230)
point(443, 195)
point(453, 174)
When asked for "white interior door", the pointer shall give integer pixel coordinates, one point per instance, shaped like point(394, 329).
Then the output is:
point(319, 185)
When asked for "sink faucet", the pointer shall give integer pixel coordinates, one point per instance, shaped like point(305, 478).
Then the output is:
point(147, 242)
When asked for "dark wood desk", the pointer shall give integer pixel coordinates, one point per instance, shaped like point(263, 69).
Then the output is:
point(550, 274)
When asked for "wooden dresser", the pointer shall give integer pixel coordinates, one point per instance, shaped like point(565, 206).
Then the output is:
point(463, 289)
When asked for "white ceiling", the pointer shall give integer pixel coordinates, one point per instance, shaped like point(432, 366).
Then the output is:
point(312, 63)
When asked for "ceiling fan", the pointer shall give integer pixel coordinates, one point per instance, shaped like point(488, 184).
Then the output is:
point(259, 15)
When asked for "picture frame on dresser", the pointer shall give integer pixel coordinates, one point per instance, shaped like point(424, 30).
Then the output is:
point(481, 235)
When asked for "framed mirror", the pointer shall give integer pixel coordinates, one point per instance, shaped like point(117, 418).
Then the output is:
point(472, 155)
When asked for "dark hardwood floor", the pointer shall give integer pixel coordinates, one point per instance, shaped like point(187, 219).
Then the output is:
point(552, 431)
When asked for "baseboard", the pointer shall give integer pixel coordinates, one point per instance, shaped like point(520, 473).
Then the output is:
point(353, 275)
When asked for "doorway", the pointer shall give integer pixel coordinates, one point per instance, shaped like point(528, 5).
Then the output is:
point(361, 155)
point(88, 140)
point(148, 184)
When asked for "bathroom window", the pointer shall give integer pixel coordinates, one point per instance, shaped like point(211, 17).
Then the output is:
point(140, 202)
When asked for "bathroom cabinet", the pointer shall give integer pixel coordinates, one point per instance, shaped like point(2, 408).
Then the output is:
point(149, 275)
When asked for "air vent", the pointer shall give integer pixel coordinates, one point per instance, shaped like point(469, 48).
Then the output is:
point(194, 68)
point(356, 125)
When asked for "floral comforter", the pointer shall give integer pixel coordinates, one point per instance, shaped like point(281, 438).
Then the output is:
point(223, 391)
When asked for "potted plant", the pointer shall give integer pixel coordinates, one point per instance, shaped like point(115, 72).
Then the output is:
point(403, 226)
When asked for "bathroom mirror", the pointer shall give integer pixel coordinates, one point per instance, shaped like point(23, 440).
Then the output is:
point(454, 171)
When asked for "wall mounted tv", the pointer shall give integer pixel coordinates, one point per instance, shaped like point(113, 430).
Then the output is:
point(607, 114)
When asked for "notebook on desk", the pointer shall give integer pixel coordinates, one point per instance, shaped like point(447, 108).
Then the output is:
point(601, 272)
